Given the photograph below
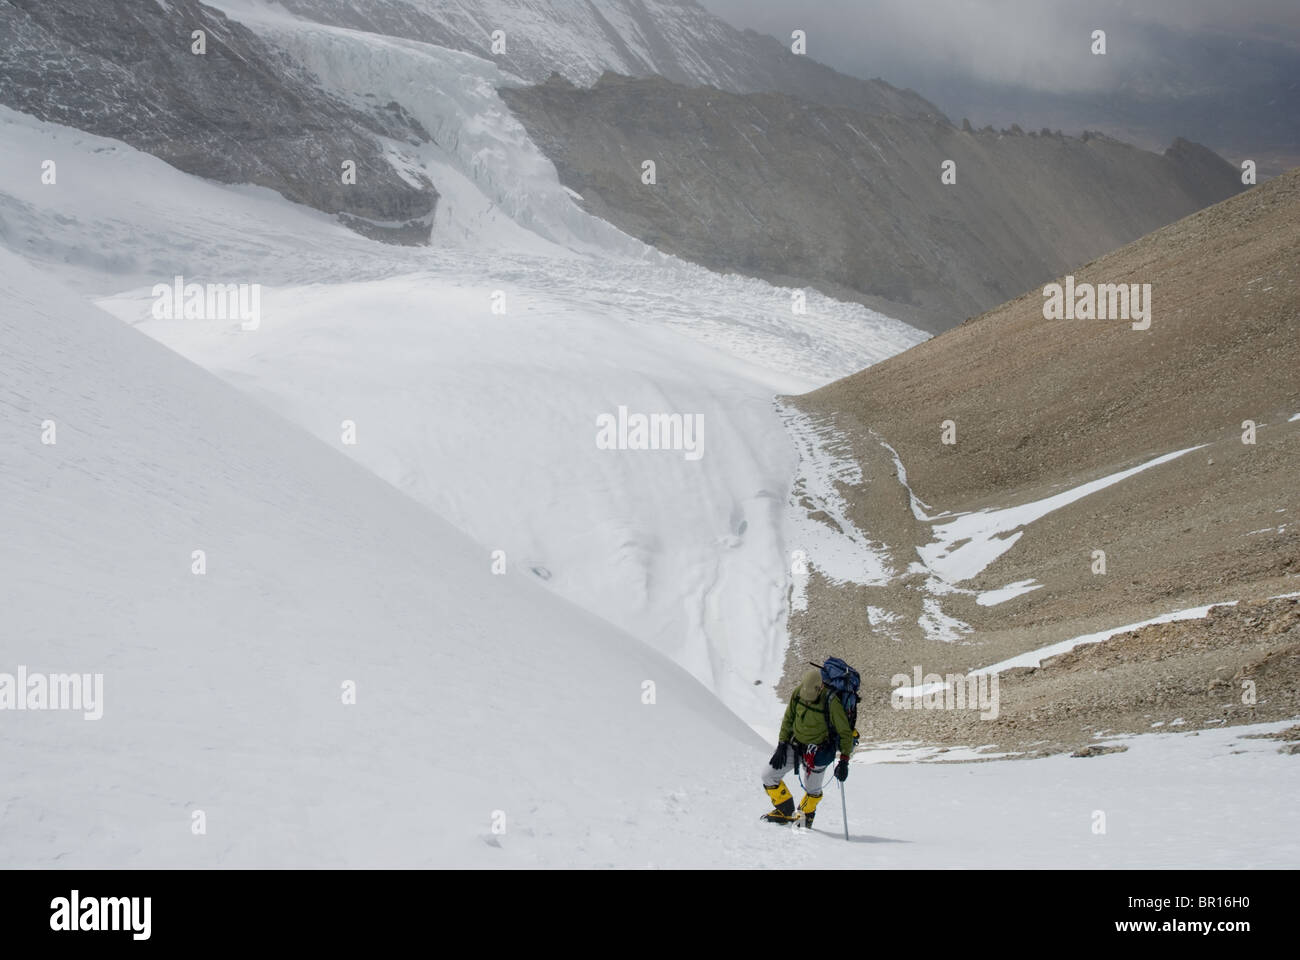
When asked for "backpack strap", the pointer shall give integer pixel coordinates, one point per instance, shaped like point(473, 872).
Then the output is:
point(850, 715)
point(824, 710)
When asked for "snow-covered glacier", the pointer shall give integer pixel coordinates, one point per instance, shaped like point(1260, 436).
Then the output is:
point(476, 369)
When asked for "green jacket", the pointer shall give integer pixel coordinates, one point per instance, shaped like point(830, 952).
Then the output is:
point(807, 721)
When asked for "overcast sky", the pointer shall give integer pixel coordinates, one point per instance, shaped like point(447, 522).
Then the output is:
point(1226, 72)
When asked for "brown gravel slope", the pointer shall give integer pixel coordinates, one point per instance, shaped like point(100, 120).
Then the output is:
point(1041, 406)
point(1241, 664)
point(1039, 400)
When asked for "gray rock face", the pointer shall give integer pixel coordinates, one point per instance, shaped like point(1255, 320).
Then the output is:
point(853, 203)
point(580, 40)
point(241, 113)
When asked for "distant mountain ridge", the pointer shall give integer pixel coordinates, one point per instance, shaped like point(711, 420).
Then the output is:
point(773, 165)
point(676, 39)
point(245, 112)
point(798, 192)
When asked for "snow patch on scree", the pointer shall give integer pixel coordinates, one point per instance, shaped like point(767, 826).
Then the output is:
point(991, 598)
point(967, 544)
point(963, 545)
point(819, 527)
point(1035, 658)
point(987, 535)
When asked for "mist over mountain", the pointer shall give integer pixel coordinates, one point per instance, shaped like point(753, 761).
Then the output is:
point(1225, 75)
point(915, 217)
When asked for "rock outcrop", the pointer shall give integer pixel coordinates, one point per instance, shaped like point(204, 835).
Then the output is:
point(239, 113)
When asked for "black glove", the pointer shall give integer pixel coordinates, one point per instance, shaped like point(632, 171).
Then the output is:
point(778, 758)
point(842, 768)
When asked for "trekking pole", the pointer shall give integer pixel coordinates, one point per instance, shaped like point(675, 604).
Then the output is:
point(844, 807)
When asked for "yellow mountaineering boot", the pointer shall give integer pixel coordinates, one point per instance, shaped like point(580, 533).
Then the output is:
point(784, 803)
point(808, 807)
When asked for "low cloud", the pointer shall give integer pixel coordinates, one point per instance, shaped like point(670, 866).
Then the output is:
point(1041, 45)
point(1225, 75)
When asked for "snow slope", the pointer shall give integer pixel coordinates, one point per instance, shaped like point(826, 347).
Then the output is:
point(491, 421)
point(488, 419)
point(223, 692)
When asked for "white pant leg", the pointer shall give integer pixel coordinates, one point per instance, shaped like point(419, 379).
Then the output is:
point(812, 781)
point(772, 777)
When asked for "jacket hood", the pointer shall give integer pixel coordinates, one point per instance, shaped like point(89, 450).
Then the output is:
point(810, 686)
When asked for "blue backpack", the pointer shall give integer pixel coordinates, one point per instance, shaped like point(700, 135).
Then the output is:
point(842, 681)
